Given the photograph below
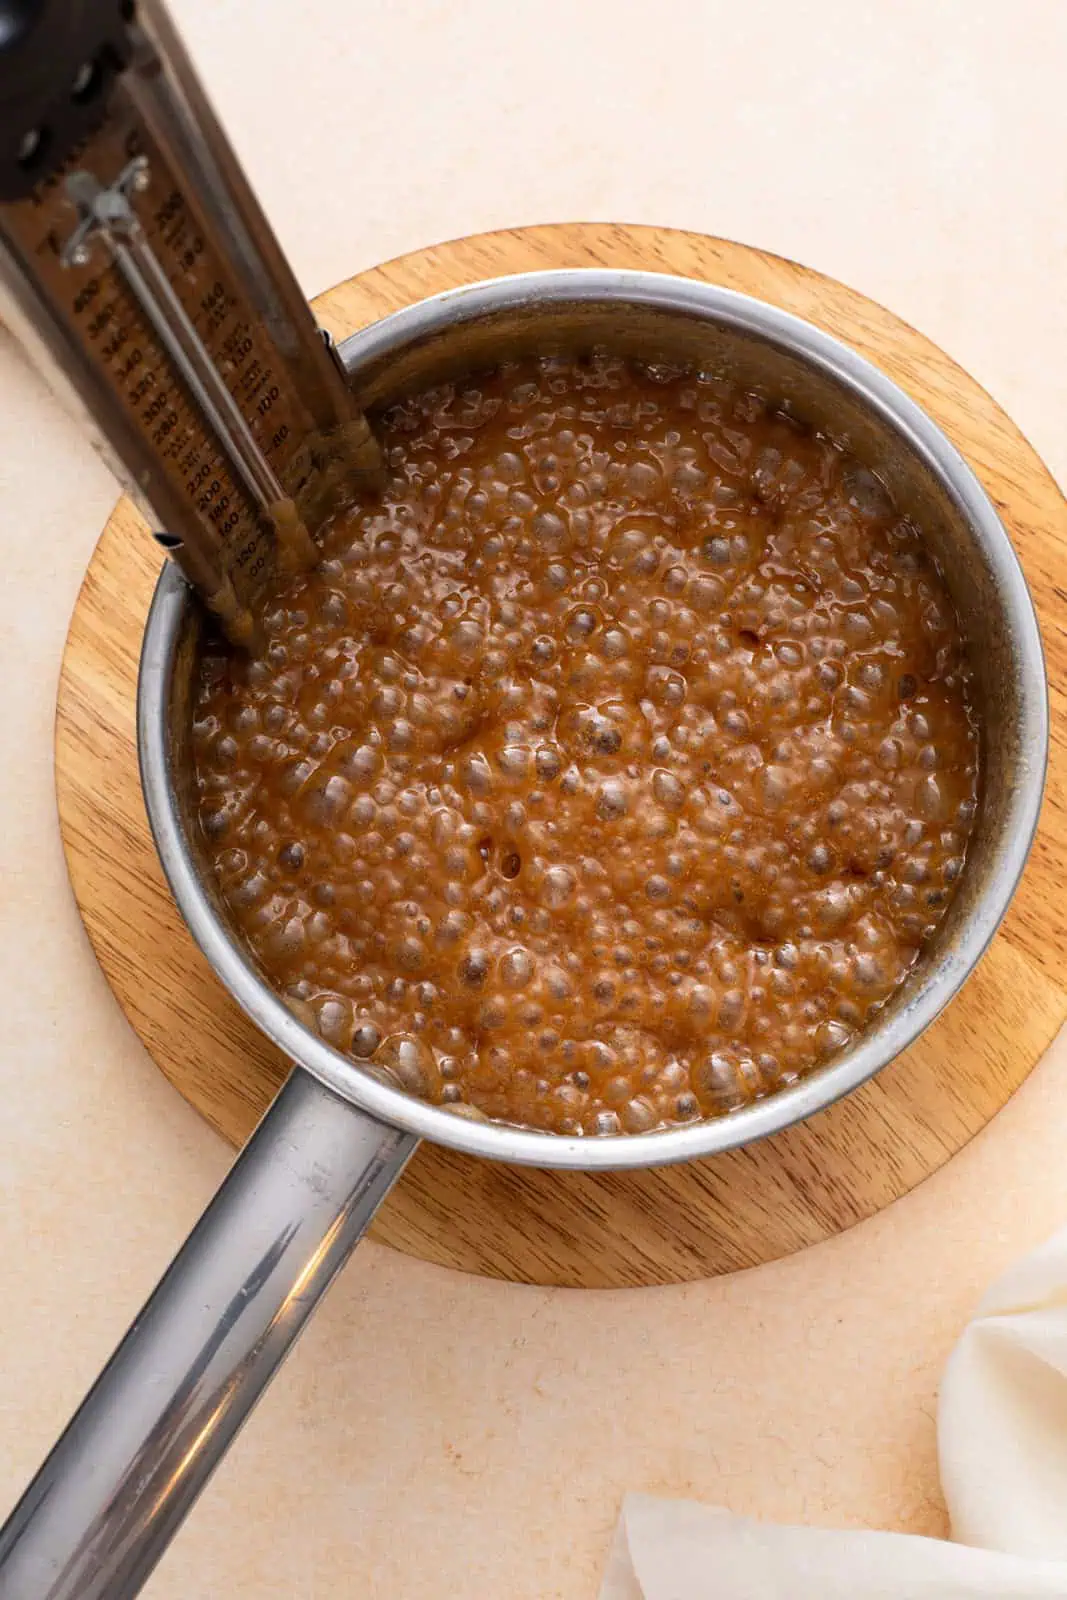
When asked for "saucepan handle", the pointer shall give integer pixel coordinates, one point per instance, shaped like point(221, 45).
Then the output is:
point(116, 1487)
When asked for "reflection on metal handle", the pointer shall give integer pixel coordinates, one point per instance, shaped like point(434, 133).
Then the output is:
point(114, 1490)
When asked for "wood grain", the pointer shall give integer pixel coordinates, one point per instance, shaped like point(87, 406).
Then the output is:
point(662, 1226)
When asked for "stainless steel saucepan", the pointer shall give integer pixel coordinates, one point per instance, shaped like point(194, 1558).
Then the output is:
point(110, 1496)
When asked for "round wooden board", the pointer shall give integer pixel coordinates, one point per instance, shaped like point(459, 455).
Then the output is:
point(652, 1227)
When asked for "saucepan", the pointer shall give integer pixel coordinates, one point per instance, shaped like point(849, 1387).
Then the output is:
point(301, 1194)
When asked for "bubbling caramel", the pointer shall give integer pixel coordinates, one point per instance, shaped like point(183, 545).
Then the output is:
point(612, 770)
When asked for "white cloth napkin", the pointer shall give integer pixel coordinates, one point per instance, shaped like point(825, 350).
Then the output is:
point(1002, 1437)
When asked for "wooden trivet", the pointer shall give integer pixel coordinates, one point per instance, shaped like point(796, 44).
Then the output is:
point(652, 1227)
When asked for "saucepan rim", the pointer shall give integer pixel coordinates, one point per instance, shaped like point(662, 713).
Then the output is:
point(891, 408)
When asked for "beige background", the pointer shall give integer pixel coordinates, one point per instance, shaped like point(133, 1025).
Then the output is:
point(436, 1434)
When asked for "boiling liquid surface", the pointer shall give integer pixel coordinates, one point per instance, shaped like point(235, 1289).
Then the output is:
point(612, 770)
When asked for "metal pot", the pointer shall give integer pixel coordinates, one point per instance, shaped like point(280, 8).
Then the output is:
point(115, 1488)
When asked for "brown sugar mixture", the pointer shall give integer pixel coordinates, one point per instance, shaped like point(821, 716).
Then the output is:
point(612, 770)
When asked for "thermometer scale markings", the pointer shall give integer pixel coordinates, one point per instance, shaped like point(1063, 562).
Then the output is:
point(106, 317)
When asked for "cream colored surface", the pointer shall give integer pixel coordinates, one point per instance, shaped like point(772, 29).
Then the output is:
point(1002, 1439)
point(436, 1434)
